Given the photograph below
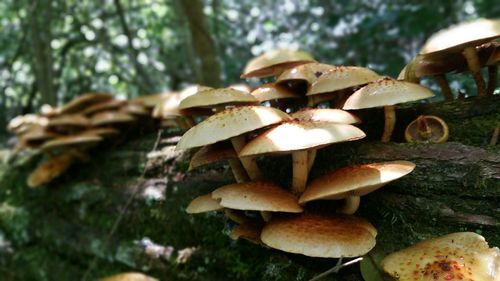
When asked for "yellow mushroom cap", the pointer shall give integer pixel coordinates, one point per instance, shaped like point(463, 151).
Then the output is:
point(214, 97)
point(105, 105)
point(51, 168)
point(357, 180)
point(386, 92)
point(77, 120)
point(129, 276)
point(271, 91)
point(249, 231)
point(230, 123)
point(212, 153)
point(202, 204)
point(110, 117)
point(274, 62)
point(82, 102)
point(342, 77)
point(152, 100)
point(436, 130)
point(318, 235)
point(257, 196)
point(457, 37)
point(73, 140)
point(326, 115)
point(308, 72)
point(300, 135)
point(456, 256)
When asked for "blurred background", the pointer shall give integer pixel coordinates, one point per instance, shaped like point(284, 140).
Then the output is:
point(54, 50)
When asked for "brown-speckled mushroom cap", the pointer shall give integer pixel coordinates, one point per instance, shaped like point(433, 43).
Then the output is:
point(457, 256)
point(80, 140)
point(318, 235)
point(216, 97)
point(111, 117)
point(257, 196)
point(342, 77)
point(84, 101)
point(274, 62)
point(202, 204)
point(271, 91)
point(129, 276)
point(356, 180)
point(326, 115)
point(308, 72)
point(386, 92)
point(212, 153)
point(300, 135)
point(457, 37)
point(230, 123)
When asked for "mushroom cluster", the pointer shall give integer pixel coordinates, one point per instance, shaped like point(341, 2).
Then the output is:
point(244, 126)
point(67, 133)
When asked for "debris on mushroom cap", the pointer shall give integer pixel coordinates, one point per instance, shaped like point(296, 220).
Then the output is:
point(386, 92)
point(318, 235)
point(457, 37)
point(300, 135)
point(342, 77)
point(129, 276)
point(325, 114)
point(110, 117)
point(213, 97)
point(273, 62)
point(212, 153)
point(271, 91)
point(256, 196)
point(203, 203)
point(456, 256)
point(105, 105)
point(84, 101)
point(83, 140)
point(77, 120)
point(427, 128)
point(230, 123)
point(52, 168)
point(249, 230)
point(356, 180)
point(308, 72)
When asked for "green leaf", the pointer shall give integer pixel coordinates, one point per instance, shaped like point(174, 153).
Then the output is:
point(370, 266)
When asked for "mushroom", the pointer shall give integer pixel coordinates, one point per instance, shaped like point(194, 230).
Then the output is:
point(217, 99)
point(274, 94)
point(81, 102)
point(319, 235)
point(463, 38)
point(34, 137)
point(80, 141)
point(336, 80)
point(386, 92)
point(249, 230)
point(129, 276)
point(427, 128)
point(351, 182)
point(299, 78)
point(232, 124)
point(274, 62)
point(108, 118)
point(202, 204)
point(105, 105)
point(456, 256)
point(68, 123)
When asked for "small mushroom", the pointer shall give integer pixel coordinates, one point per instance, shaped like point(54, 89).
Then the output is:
point(299, 78)
point(456, 256)
point(351, 182)
point(82, 102)
point(202, 204)
point(274, 62)
point(108, 118)
point(319, 235)
point(427, 128)
point(274, 95)
point(249, 230)
point(80, 141)
point(129, 276)
point(217, 99)
point(386, 92)
point(68, 123)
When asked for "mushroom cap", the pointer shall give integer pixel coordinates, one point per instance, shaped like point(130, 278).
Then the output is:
point(274, 62)
point(460, 36)
point(22, 123)
point(168, 107)
point(110, 117)
point(35, 133)
point(135, 108)
point(271, 91)
point(456, 256)
point(317, 235)
point(129, 276)
point(386, 92)
point(297, 135)
point(308, 72)
point(73, 140)
point(326, 115)
point(105, 105)
point(151, 101)
point(342, 77)
point(438, 133)
point(356, 180)
point(212, 153)
point(230, 123)
point(103, 132)
point(83, 101)
point(202, 204)
point(50, 169)
point(249, 230)
point(214, 97)
point(257, 196)
point(77, 120)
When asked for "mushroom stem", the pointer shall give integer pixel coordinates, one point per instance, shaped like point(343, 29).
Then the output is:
point(492, 79)
point(311, 156)
point(300, 171)
point(494, 137)
point(445, 87)
point(266, 215)
point(410, 75)
point(470, 55)
point(189, 121)
point(423, 127)
point(351, 205)
point(248, 163)
point(390, 121)
point(239, 173)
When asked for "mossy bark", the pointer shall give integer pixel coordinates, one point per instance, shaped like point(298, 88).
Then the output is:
point(54, 232)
